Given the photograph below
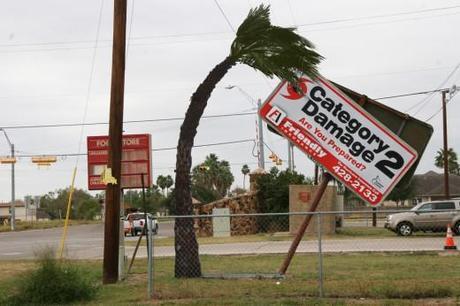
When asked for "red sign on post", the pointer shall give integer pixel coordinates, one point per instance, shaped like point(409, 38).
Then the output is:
point(341, 136)
point(135, 161)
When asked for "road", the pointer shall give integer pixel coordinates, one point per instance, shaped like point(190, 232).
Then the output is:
point(86, 242)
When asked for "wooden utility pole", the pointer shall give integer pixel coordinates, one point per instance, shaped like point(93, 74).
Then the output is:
point(446, 148)
point(113, 191)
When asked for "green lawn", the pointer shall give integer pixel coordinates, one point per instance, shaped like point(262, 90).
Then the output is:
point(29, 225)
point(384, 278)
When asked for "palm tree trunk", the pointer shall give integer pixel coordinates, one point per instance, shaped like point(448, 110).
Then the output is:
point(187, 261)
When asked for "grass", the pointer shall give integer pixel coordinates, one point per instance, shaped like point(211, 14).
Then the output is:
point(350, 279)
point(29, 225)
point(342, 233)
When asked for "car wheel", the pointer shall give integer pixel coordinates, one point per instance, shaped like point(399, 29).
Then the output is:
point(405, 229)
point(456, 228)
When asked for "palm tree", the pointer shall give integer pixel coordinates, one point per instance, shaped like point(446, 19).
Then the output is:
point(168, 183)
point(245, 170)
point(452, 161)
point(161, 182)
point(275, 51)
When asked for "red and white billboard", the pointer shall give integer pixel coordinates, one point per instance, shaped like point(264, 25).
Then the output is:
point(341, 136)
point(135, 160)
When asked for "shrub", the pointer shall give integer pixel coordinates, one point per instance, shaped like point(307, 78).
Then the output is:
point(53, 282)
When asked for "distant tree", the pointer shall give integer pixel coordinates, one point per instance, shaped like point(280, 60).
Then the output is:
point(88, 209)
point(168, 181)
point(153, 199)
point(162, 182)
point(213, 174)
point(55, 203)
point(399, 195)
point(273, 196)
point(245, 170)
point(452, 161)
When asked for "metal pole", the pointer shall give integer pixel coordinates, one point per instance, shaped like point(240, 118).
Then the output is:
point(315, 202)
point(150, 257)
point(320, 257)
point(13, 192)
point(261, 137)
point(374, 217)
point(112, 216)
point(289, 156)
point(446, 149)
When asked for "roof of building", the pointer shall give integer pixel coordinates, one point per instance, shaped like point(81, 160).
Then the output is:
point(17, 203)
point(432, 184)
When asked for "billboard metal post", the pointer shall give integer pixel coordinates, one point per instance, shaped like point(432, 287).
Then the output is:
point(315, 202)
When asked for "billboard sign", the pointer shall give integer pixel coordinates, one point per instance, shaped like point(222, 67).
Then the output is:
point(135, 161)
point(335, 132)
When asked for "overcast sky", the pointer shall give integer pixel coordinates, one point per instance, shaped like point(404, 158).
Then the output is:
point(55, 64)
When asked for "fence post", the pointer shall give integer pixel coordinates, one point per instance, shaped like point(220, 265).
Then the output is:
point(320, 257)
point(150, 256)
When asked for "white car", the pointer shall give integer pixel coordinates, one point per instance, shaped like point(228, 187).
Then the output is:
point(134, 223)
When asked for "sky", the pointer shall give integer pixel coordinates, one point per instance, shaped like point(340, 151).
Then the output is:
point(55, 59)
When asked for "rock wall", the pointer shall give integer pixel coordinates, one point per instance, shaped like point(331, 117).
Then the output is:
point(242, 204)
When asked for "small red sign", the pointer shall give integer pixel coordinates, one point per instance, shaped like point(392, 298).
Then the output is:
point(135, 161)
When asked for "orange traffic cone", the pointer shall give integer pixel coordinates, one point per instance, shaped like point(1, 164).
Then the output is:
point(450, 243)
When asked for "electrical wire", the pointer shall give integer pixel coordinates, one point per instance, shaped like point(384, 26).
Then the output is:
point(90, 81)
point(225, 16)
point(153, 150)
point(15, 127)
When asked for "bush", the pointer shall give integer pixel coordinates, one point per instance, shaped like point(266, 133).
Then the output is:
point(54, 282)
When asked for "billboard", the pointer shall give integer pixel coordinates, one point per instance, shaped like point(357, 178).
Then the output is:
point(337, 133)
point(135, 160)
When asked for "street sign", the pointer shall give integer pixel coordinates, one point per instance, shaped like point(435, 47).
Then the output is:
point(341, 136)
point(135, 161)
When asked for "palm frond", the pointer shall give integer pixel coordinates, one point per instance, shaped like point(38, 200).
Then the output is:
point(273, 50)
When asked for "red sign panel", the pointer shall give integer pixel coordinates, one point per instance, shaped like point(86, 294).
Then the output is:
point(341, 136)
point(135, 161)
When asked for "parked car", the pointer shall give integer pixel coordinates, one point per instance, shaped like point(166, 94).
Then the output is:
point(427, 216)
point(134, 223)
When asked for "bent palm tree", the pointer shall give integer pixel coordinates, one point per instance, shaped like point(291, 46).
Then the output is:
point(275, 51)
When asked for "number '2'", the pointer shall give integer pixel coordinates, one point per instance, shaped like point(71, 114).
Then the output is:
point(389, 166)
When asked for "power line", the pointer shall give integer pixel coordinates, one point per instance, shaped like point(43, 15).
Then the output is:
point(379, 16)
point(411, 94)
point(153, 150)
point(202, 33)
point(225, 16)
point(16, 127)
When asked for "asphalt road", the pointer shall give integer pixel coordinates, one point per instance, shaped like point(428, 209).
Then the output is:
point(86, 242)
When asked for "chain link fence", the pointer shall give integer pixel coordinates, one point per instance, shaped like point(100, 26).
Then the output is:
point(253, 247)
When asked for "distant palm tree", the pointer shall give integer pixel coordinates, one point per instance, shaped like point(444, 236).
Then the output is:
point(452, 161)
point(275, 51)
point(245, 170)
point(168, 183)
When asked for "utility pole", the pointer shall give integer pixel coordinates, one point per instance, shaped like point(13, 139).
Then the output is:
point(13, 191)
point(446, 148)
point(113, 191)
point(261, 137)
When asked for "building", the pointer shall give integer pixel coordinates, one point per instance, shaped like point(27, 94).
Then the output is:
point(23, 210)
point(430, 186)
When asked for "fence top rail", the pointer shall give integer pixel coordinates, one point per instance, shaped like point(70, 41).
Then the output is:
point(342, 212)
